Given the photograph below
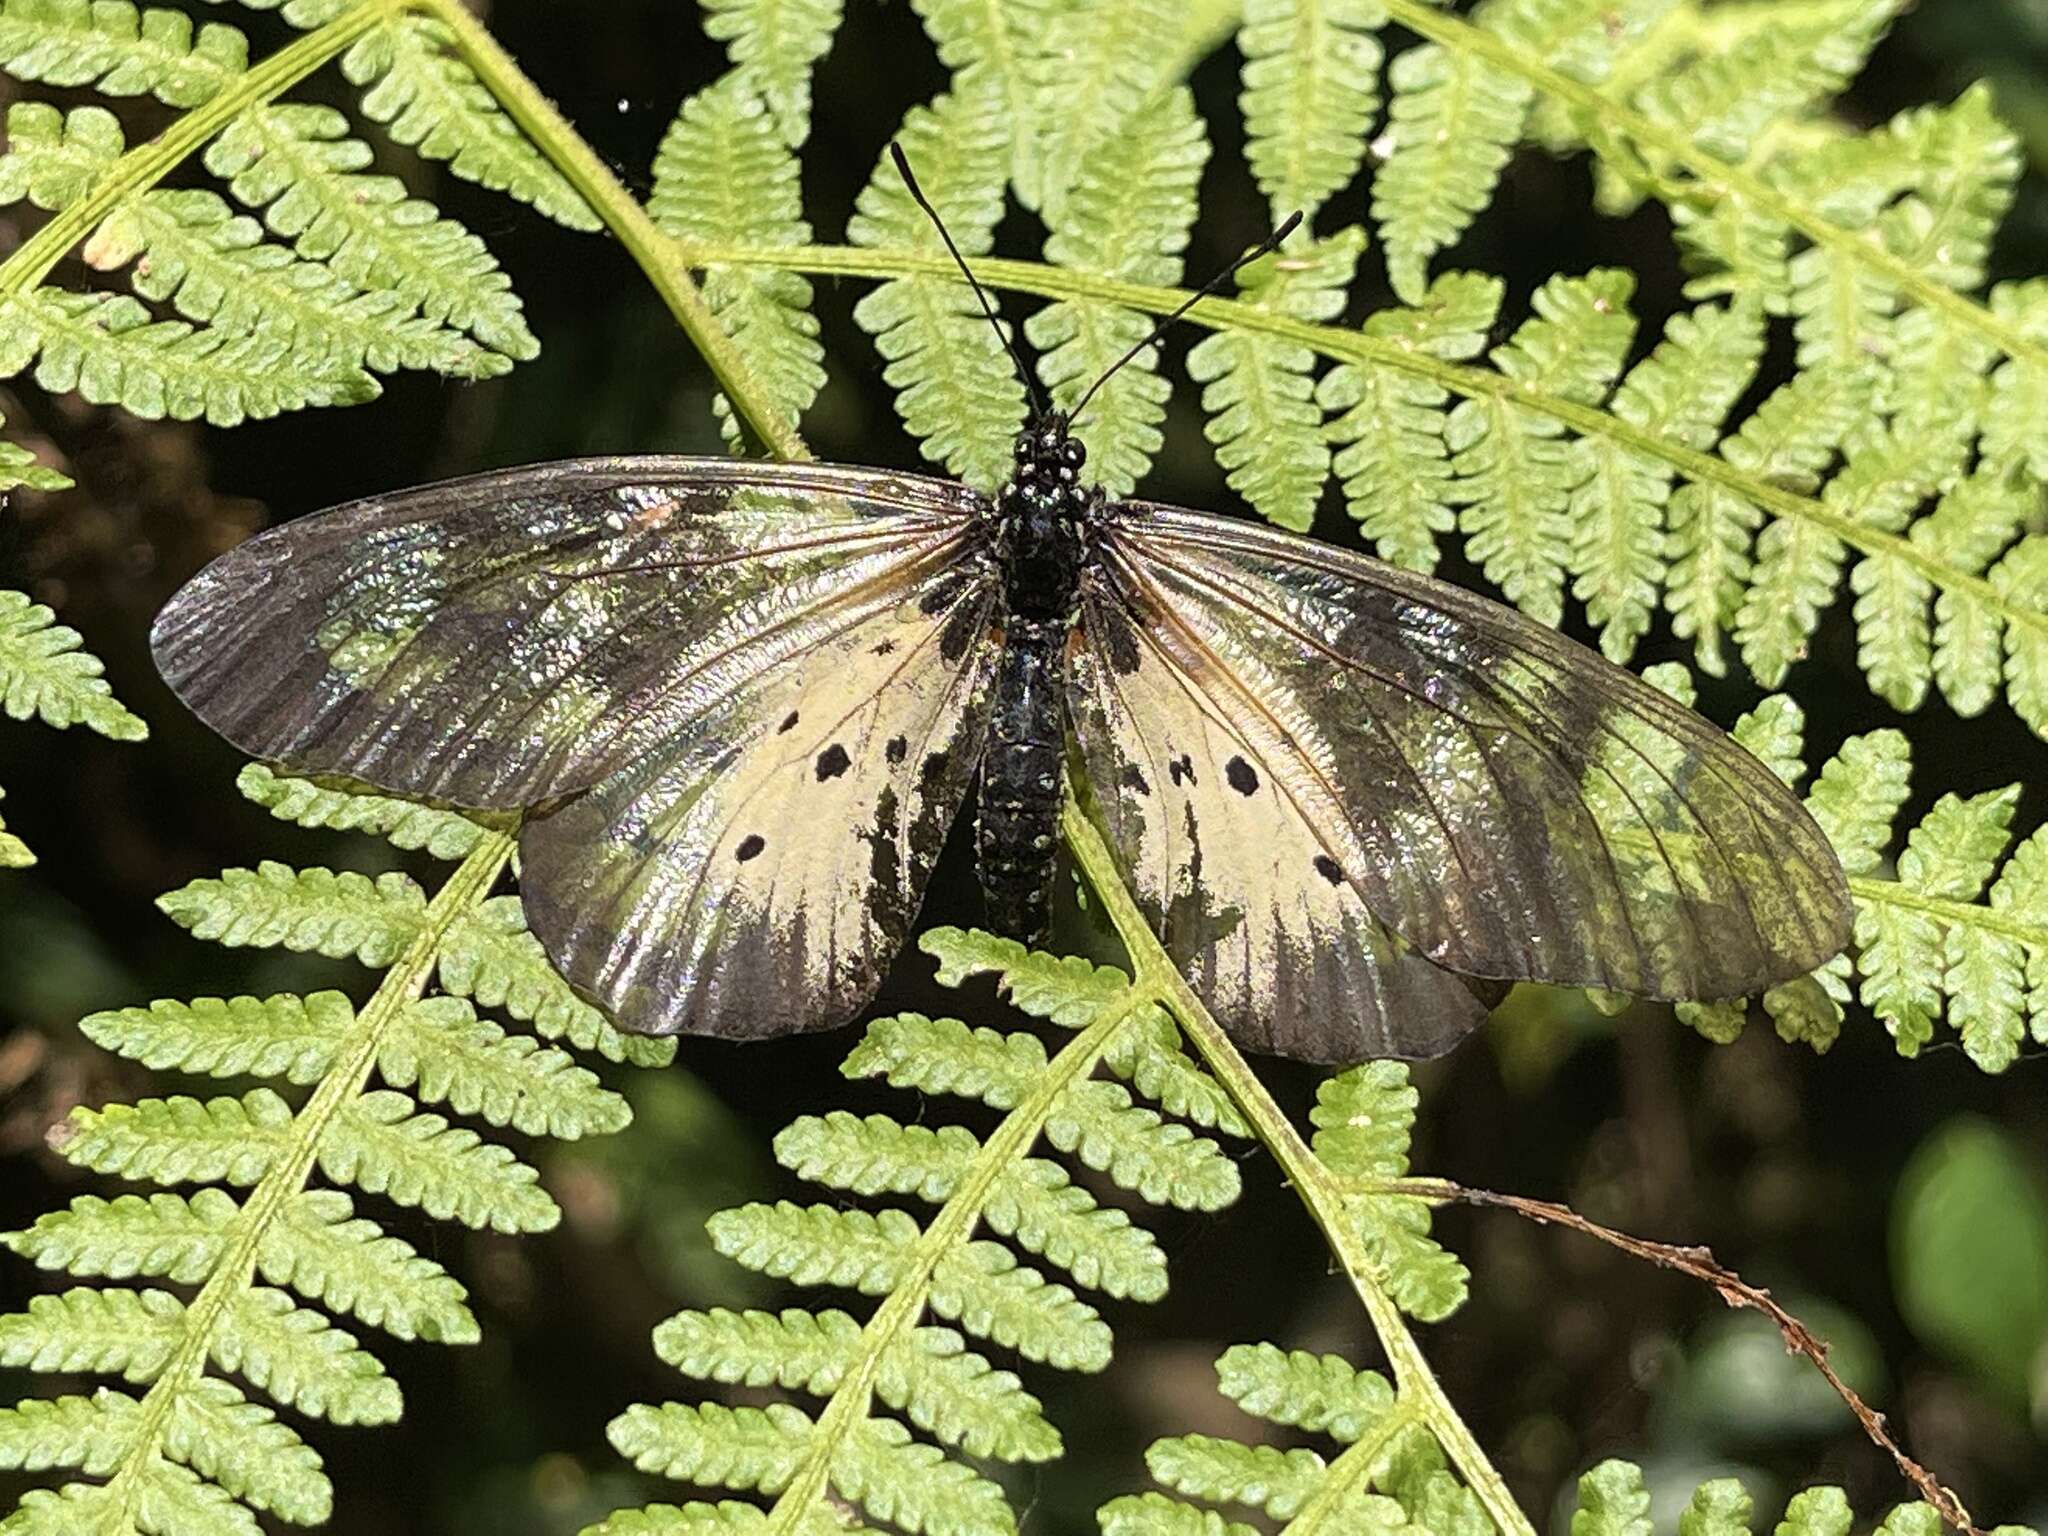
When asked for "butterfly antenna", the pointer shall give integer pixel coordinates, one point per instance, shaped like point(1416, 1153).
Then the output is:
point(917, 193)
point(1271, 242)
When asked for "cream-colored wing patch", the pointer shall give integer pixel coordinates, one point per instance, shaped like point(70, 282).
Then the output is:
point(1245, 894)
point(755, 874)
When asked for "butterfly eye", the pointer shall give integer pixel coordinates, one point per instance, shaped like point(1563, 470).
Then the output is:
point(1073, 453)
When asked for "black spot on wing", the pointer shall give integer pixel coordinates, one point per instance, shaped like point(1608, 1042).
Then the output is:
point(1329, 869)
point(933, 770)
point(832, 762)
point(1181, 770)
point(883, 648)
point(788, 724)
point(750, 847)
point(1242, 776)
point(898, 749)
point(1134, 779)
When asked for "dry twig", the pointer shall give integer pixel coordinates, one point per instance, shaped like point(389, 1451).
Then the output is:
point(1700, 1263)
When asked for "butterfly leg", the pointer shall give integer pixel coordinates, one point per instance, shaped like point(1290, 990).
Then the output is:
point(1016, 830)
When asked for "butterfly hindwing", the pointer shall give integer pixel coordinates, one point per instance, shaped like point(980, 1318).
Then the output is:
point(754, 874)
point(505, 639)
point(1508, 804)
point(1216, 855)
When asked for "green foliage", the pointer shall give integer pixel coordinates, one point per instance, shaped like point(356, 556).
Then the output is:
point(1387, 1475)
point(724, 173)
point(1364, 1119)
point(1955, 926)
point(345, 277)
point(956, 388)
point(1969, 1256)
point(1903, 452)
point(46, 676)
point(967, 1268)
point(429, 99)
point(1259, 392)
point(1311, 90)
point(262, 1260)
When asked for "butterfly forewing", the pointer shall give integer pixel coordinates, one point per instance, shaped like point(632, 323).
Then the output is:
point(747, 700)
point(1507, 803)
point(503, 640)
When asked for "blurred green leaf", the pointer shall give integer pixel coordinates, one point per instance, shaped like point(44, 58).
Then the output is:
point(1969, 1241)
point(1742, 1387)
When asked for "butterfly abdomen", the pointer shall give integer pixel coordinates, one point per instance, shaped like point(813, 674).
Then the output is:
point(1018, 826)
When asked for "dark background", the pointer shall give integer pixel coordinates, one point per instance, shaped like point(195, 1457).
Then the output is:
point(1795, 1169)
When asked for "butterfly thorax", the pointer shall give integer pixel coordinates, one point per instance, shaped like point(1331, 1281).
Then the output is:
point(1043, 520)
point(1042, 523)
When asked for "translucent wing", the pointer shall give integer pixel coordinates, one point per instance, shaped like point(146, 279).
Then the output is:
point(751, 698)
point(1320, 736)
point(753, 876)
point(502, 640)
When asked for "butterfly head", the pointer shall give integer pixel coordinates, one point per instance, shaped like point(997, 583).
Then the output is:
point(1049, 456)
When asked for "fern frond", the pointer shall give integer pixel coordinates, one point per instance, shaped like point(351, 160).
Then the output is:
point(188, 249)
point(109, 349)
point(300, 166)
point(1680, 392)
point(489, 957)
point(261, 1278)
point(1958, 930)
point(723, 172)
point(1451, 122)
point(119, 49)
point(284, 1036)
point(941, 1267)
point(53, 158)
point(46, 675)
point(773, 44)
point(1514, 471)
point(1259, 392)
point(1393, 461)
point(1322, 1395)
point(1311, 91)
point(430, 100)
point(305, 910)
point(1099, 70)
point(1363, 1121)
point(20, 469)
point(294, 1354)
point(445, 834)
point(992, 51)
point(1723, 101)
point(1713, 588)
point(957, 391)
point(1127, 215)
point(441, 1048)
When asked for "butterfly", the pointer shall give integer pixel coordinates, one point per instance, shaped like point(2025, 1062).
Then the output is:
point(743, 703)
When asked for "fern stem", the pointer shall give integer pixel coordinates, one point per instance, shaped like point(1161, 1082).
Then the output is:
point(956, 1220)
point(652, 250)
point(1970, 914)
point(1717, 176)
point(1158, 978)
point(1351, 1473)
point(286, 1178)
point(148, 164)
point(1355, 347)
